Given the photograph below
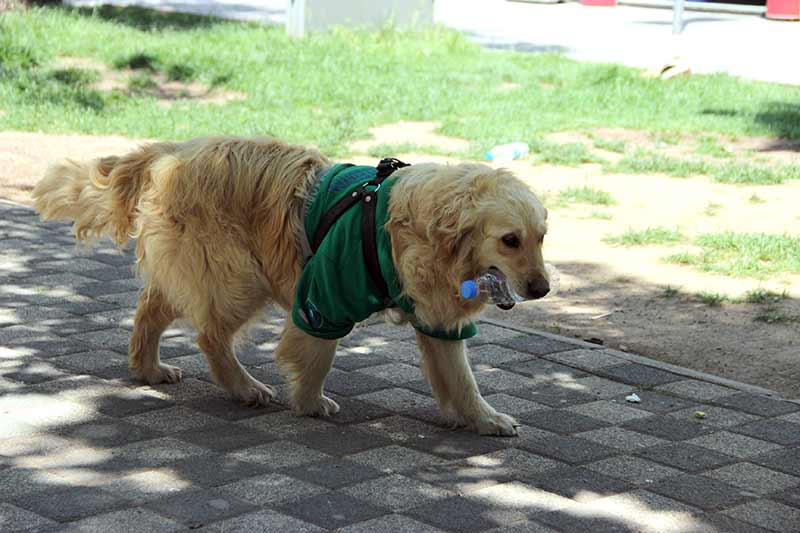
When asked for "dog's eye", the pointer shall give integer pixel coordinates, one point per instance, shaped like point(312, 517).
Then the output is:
point(511, 240)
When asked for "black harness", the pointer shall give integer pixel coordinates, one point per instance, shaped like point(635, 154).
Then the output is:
point(367, 194)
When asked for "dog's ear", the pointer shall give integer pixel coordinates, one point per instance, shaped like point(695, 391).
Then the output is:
point(454, 220)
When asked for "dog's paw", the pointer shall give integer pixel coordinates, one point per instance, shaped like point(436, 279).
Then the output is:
point(162, 374)
point(497, 424)
point(320, 406)
point(255, 394)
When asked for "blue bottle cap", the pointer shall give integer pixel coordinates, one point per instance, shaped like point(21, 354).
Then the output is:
point(489, 156)
point(469, 289)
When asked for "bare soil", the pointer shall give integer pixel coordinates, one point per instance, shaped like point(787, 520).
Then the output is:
point(612, 295)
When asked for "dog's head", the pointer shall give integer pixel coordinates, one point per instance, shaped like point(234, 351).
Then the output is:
point(462, 220)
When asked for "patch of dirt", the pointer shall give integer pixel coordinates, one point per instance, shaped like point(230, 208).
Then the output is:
point(607, 292)
point(166, 91)
point(418, 133)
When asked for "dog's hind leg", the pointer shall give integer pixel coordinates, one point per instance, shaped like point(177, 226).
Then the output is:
point(446, 366)
point(153, 316)
point(307, 360)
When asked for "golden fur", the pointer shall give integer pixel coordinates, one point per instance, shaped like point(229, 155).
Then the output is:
point(217, 223)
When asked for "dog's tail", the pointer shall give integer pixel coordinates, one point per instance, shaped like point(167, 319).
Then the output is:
point(100, 195)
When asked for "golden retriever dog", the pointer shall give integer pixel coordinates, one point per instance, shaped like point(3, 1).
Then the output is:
point(218, 224)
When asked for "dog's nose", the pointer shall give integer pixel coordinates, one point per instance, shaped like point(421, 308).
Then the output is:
point(538, 288)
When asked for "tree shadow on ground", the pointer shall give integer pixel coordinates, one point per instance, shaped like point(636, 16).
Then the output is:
point(782, 119)
point(145, 19)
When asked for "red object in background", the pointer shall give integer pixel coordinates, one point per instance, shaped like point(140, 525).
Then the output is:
point(607, 3)
point(783, 9)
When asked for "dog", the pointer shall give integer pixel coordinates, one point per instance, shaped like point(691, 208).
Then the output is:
point(221, 230)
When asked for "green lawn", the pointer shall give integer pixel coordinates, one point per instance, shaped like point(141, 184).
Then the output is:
point(632, 237)
point(330, 88)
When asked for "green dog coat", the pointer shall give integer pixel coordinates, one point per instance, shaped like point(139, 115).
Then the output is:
point(335, 290)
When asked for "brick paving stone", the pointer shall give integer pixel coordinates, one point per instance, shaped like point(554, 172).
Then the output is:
point(639, 375)
point(263, 521)
point(349, 361)
point(396, 492)
point(561, 421)
point(174, 420)
point(355, 383)
point(495, 355)
point(714, 416)
point(158, 452)
point(622, 439)
point(391, 522)
point(784, 433)
point(686, 456)
point(149, 485)
point(496, 379)
point(519, 464)
point(227, 408)
point(757, 404)
point(465, 476)
point(397, 400)
point(394, 458)
point(13, 518)
point(608, 411)
point(225, 436)
point(214, 470)
point(720, 523)
point(333, 474)
point(767, 514)
point(491, 334)
point(108, 433)
point(396, 373)
point(643, 510)
point(341, 441)
point(535, 344)
point(568, 521)
point(696, 390)
point(512, 405)
point(542, 370)
point(784, 460)
point(332, 510)
point(458, 514)
point(655, 402)
point(273, 488)
point(554, 395)
point(285, 423)
point(116, 339)
point(572, 449)
point(135, 519)
point(16, 428)
point(130, 402)
point(734, 444)
point(47, 347)
point(200, 506)
point(669, 428)
point(453, 445)
point(586, 359)
point(633, 469)
point(582, 484)
point(68, 503)
point(86, 362)
point(280, 454)
point(754, 478)
point(599, 387)
point(699, 491)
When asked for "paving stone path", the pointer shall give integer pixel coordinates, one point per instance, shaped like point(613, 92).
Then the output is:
point(83, 448)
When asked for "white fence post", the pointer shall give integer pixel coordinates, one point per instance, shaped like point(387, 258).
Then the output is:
point(306, 16)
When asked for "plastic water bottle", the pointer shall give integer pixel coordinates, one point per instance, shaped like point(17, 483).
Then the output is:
point(491, 287)
point(508, 152)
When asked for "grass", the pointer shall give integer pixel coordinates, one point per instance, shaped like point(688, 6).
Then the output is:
point(566, 154)
point(585, 195)
point(712, 299)
point(600, 215)
point(773, 315)
point(756, 199)
point(744, 254)
point(644, 162)
point(392, 150)
point(670, 292)
point(329, 88)
point(649, 236)
point(711, 147)
point(712, 209)
point(763, 296)
point(610, 146)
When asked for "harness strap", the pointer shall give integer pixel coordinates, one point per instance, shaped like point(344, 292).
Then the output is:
point(368, 195)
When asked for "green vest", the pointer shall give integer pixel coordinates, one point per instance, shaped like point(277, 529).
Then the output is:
point(335, 290)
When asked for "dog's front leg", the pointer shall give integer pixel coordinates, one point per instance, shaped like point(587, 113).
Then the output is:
point(306, 361)
point(446, 366)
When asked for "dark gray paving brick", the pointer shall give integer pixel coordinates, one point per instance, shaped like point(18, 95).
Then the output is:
point(564, 520)
point(622, 439)
point(497, 379)
point(13, 518)
point(354, 361)
point(773, 430)
point(280, 454)
point(225, 436)
point(201, 506)
point(535, 344)
point(720, 417)
point(108, 433)
point(633, 469)
point(572, 450)
point(341, 441)
point(753, 478)
point(333, 474)
point(332, 510)
point(655, 402)
point(158, 452)
point(130, 402)
point(148, 485)
point(286, 423)
point(639, 375)
point(394, 458)
point(68, 503)
point(457, 514)
point(757, 404)
point(720, 523)
point(263, 521)
point(136, 519)
point(784, 460)
point(512, 405)
point(699, 491)
point(115, 339)
point(562, 421)
point(87, 362)
point(734, 444)
point(609, 411)
point(578, 482)
point(586, 359)
point(174, 420)
point(669, 428)
point(32, 371)
point(686, 457)
point(543, 371)
point(495, 355)
point(215, 470)
point(554, 395)
point(355, 383)
point(47, 347)
point(269, 489)
point(390, 522)
point(696, 390)
point(106, 273)
point(767, 514)
point(228, 408)
point(454, 445)
point(396, 492)
point(492, 334)
point(397, 400)
point(101, 288)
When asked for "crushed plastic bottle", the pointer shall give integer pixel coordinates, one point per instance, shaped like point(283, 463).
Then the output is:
point(508, 152)
point(491, 287)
